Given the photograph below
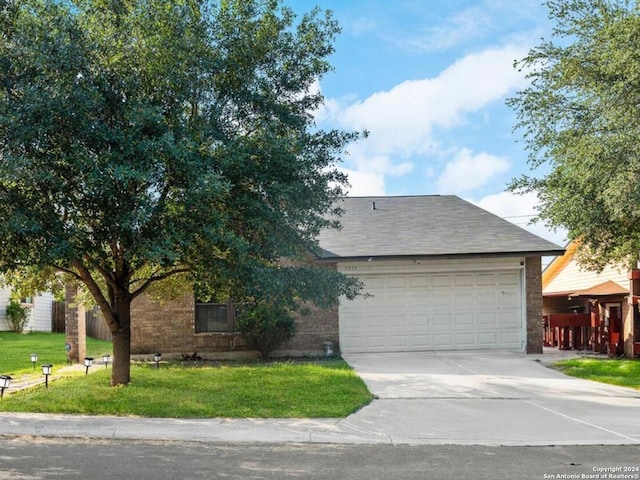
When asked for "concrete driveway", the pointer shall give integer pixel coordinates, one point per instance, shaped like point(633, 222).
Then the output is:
point(481, 398)
point(488, 398)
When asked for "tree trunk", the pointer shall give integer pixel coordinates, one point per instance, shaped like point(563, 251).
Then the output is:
point(121, 374)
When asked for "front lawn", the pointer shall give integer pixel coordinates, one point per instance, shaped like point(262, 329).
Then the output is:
point(625, 373)
point(279, 390)
point(16, 348)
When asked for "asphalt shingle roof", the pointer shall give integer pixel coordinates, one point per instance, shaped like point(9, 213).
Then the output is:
point(433, 225)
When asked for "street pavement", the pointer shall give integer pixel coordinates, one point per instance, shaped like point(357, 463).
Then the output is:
point(423, 398)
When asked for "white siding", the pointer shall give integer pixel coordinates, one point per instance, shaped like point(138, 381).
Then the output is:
point(4, 300)
point(573, 278)
point(40, 319)
point(40, 314)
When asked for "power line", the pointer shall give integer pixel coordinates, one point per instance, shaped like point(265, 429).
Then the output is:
point(519, 216)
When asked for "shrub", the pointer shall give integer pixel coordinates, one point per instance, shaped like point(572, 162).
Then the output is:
point(17, 316)
point(266, 327)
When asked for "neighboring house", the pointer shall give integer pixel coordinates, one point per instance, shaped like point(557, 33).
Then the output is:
point(440, 274)
point(591, 310)
point(40, 311)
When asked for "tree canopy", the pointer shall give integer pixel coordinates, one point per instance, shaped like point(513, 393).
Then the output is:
point(142, 139)
point(580, 116)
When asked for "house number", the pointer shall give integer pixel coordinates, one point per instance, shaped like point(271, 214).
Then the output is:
point(350, 269)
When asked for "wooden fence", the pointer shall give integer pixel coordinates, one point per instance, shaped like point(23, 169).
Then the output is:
point(96, 327)
point(57, 320)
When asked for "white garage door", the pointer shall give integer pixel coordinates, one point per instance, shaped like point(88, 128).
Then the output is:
point(434, 311)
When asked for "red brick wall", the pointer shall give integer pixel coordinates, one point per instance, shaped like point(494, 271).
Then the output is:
point(75, 326)
point(313, 330)
point(169, 328)
point(533, 285)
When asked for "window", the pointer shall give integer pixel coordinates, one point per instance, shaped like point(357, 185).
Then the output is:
point(26, 301)
point(215, 317)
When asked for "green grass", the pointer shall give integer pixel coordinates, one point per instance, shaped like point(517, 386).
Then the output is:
point(625, 373)
point(16, 348)
point(327, 388)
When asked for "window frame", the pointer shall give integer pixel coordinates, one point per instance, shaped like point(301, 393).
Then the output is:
point(231, 316)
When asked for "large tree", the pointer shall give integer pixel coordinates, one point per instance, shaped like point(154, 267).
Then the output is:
point(580, 116)
point(143, 139)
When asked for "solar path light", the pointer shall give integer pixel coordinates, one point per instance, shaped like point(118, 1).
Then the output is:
point(105, 359)
point(5, 380)
point(156, 358)
point(46, 371)
point(34, 359)
point(88, 361)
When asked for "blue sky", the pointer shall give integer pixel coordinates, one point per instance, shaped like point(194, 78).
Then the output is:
point(429, 79)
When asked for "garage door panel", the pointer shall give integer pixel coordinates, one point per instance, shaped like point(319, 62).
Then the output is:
point(486, 299)
point(486, 279)
point(511, 278)
point(464, 320)
point(420, 342)
point(487, 339)
point(440, 281)
point(418, 281)
point(466, 340)
point(441, 300)
point(431, 311)
point(397, 322)
point(509, 319)
point(374, 322)
point(355, 342)
point(510, 299)
point(376, 341)
point(397, 282)
point(398, 341)
point(441, 321)
point(374, 282)
point(510, 339)
point(442, 340)
point(466, 280)
point(488, 319)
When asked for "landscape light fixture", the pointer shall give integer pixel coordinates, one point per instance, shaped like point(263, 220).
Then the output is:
point(156, 358)
point(5, 380)
point(105, 359)
point(46, 371)
point(34, 359)
point(88, 361)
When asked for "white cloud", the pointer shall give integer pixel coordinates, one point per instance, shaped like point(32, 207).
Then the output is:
point(360, 26)
point(466, 25)
point(364, 184)
point(481, 21)
point(468, 171)
point(403, 122)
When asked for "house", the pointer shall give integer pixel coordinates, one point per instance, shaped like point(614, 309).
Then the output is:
point(439, 273)
point(591, 310)
point(40, 311)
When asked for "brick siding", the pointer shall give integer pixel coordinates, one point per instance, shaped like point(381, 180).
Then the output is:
point(533, 281)
point(169, 328)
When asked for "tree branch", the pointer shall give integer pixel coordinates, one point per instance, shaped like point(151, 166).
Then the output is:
point(94, 288)
point(157, 278)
